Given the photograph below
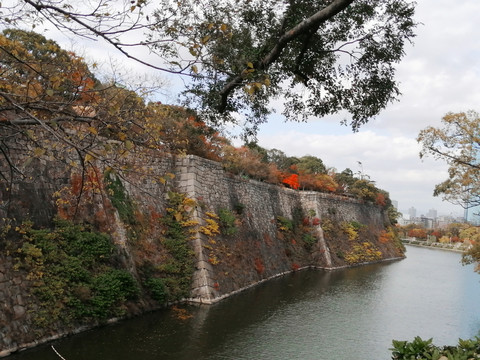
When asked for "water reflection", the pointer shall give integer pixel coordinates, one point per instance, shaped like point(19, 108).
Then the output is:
point(352, 313)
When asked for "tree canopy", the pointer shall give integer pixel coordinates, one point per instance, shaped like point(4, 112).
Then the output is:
point(321, 57)
point(457, 143)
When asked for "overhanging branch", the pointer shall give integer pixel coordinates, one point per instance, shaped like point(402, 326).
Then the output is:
point(312, 23)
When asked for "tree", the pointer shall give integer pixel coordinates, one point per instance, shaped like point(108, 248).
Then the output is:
point(457, 143)
point(322, 57)
point(52, 103)
point(345, 180)
point(311, 165)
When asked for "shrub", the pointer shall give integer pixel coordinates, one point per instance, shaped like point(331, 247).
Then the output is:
point(73, 273)
point(284, 224)
point(158, 289)
point(227, 222)
point(424, 349)
point(309, 240)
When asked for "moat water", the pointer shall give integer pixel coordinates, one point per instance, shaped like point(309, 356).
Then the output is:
point(346, 314)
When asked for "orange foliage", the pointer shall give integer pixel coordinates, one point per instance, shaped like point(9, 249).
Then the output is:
point(418, 233)
point(383, 237)
point(380, 199)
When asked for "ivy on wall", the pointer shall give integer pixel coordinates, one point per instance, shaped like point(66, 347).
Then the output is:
point(73, 273)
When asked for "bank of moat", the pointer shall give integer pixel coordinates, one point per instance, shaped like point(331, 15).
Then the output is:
point(189, 231)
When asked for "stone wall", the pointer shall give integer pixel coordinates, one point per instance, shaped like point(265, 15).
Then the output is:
point(225, 264)
point(260, 251)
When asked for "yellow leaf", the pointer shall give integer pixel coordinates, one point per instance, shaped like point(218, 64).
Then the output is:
point(88, 158)
point(178, 216)
point(205, 39)
point(93, 130)
point(129, 145)
point(122, 136)
point(39, 152)
point(195, 69)
point(250, 65)
point(223, 27)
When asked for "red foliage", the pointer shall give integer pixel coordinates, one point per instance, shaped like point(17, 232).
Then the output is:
point(259, 267)
point(315, 221)
point(295, 266)
point(292, 181)
point(456, 239)
point(380, 199)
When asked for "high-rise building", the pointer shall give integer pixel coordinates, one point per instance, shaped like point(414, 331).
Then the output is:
point(432, 214)
point(412, 212)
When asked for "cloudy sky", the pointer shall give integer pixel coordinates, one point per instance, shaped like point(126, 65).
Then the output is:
point(439, 74)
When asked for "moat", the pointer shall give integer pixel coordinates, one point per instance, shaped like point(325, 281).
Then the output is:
point(345, 314)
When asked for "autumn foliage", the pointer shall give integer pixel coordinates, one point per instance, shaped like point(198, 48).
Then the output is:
point(292, 181)
point(67, 114)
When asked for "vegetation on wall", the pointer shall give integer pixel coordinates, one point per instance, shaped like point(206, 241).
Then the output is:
point(170, 278)
point(301, 229)
point(74, 272)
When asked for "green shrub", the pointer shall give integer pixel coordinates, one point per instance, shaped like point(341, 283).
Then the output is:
point(110, 290)
point(284, 224)
point(227, 222)
point(424, 349)
point(309, 240)
point(72, 273)
point(158, 289)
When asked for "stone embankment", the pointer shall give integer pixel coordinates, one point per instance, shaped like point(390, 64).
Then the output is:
point(272, 231)
point(456, 247)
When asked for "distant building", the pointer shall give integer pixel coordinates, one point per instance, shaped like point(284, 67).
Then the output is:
point(432, 213)
point(412, 212)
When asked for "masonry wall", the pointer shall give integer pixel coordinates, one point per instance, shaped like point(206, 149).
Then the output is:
point(258, 251)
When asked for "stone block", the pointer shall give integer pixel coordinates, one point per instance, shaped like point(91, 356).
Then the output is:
point(19, 311)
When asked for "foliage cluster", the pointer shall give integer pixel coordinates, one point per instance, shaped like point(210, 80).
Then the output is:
point(211, 229)
point(362, 252)
point(117, 127)
point(171, 279)
point(73, 273)
point(228, 221)
point(425, 350)
point(457, 144)
point(301, 228)
point(241, 54)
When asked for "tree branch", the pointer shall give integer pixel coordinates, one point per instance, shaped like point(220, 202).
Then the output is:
point(312, 23)
point(104, 35)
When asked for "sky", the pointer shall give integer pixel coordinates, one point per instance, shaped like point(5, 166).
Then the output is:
point(439, 74)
